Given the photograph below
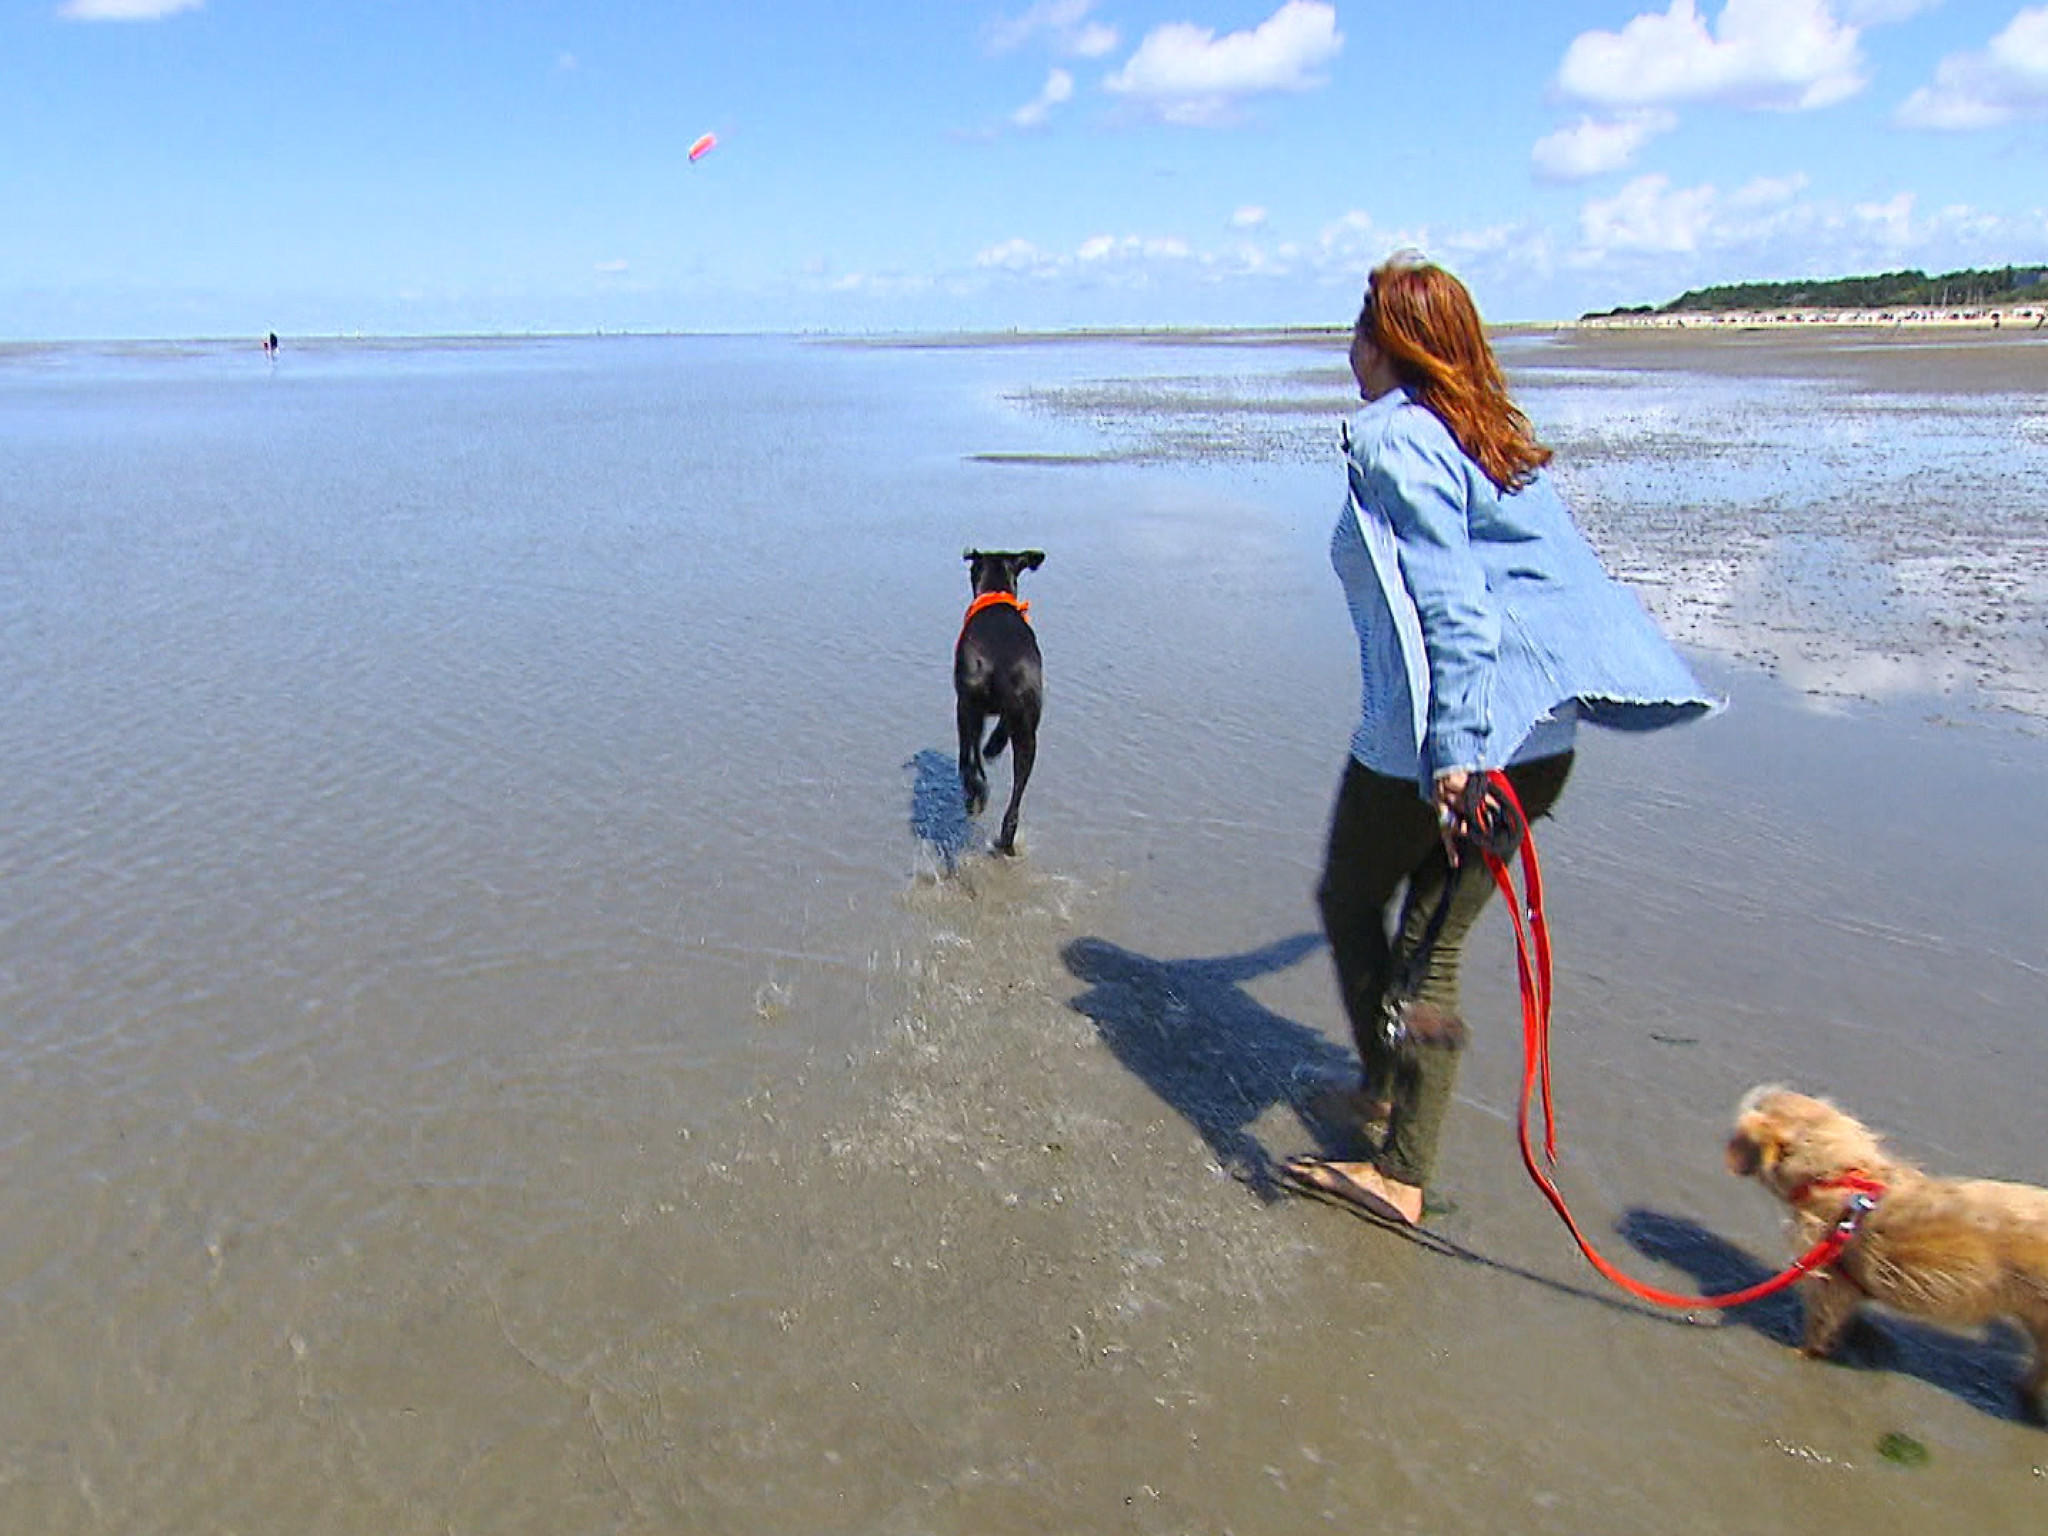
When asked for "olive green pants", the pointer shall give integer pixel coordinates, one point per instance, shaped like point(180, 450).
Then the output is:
point(1383, 837)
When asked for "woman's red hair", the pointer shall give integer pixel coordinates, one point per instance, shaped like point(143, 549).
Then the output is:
point(1426, 324)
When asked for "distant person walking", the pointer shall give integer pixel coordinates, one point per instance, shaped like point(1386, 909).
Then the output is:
point(270, 344)
point(1487, 630)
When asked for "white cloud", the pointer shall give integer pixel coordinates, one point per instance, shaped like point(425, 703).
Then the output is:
point(1127, 248)
point(1876, 13)
point(1131, 261)
point(1186, 73)
point(1057, 91)
point(2005, 81)
point(1088, 40)
point(883, 285)
point(1593, 146)
point(1489, 259)
point(610, 267)
point(1320, 277)
point(1355, 242)
point(1678, 237)
point(1789, 54)
point(1248, 217)
point(124, 10)
point(1093, 42)
point(1016, 255)
point(1353, 238)
point(1892, 219)
point(1769, 192)
point(1484, 250)
point(1654, 240)
point(1066, 22)
point(1649, 215)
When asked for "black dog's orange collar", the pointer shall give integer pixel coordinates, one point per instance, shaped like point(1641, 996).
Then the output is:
point(995, 600)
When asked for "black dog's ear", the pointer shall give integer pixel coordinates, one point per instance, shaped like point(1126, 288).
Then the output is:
point(1032, 559)
point(970, 554)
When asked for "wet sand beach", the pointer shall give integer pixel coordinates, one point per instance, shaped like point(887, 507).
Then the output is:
point(1896, 359)
point(1859, 514)
point(504, 1026)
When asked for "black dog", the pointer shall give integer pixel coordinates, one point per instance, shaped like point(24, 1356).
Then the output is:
point(997, 671)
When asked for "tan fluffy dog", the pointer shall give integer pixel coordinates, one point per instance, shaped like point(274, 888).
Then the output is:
point(1956, 1251)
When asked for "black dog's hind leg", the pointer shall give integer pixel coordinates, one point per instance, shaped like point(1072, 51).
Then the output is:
point(1024, 731)
point(973, 777)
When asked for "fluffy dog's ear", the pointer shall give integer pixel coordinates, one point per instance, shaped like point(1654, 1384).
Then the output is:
point(1743, 1156)
point(1764, 1148)
point(1032, 559)
point(1770, 1152)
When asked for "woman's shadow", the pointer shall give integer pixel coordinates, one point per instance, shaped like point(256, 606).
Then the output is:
point(1979, 1371)
point(1222, 1059)
point(1209, 1049)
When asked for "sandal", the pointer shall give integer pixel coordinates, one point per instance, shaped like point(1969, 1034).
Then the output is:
point(1324, 1179)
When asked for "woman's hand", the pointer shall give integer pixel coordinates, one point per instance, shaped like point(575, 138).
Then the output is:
point(1450, 798)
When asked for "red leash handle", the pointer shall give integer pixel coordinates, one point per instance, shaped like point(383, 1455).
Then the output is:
point(1533, 966)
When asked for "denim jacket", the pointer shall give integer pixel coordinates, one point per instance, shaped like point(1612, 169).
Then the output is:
point(1482, 617)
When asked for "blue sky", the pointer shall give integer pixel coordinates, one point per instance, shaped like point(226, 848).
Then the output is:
point(226, 167)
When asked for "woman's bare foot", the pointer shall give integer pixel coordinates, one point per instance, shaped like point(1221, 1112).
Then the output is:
point(1360, 1185)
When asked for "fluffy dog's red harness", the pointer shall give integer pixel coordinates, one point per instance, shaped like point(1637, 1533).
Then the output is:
point(995, 600)
point(1533, 962)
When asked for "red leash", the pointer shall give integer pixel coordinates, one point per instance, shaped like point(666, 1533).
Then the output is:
point(1533, 962)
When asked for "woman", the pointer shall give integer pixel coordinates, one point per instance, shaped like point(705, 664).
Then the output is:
point(1487, 631)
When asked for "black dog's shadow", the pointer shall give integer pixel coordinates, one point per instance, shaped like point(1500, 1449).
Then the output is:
point(1208, 1048)
point(1979, 1371)
point(938, 811)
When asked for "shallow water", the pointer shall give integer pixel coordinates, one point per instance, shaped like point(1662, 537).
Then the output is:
point(503, 1025)
point(1854, 528)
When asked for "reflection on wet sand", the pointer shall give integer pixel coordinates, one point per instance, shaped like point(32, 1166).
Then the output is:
point(1863, 515)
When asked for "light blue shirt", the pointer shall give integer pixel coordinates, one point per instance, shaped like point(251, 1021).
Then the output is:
point(1487, 627)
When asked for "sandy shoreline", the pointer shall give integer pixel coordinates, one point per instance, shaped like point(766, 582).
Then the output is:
point(1858, 514)
point(487, 1044)
point(1083, 1103)
point(1997, 317)
point(1901, 360)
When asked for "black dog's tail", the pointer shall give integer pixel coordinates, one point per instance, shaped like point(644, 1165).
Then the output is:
point(998, 739)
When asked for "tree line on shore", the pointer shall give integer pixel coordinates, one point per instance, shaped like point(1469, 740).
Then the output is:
point(1970, 288)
